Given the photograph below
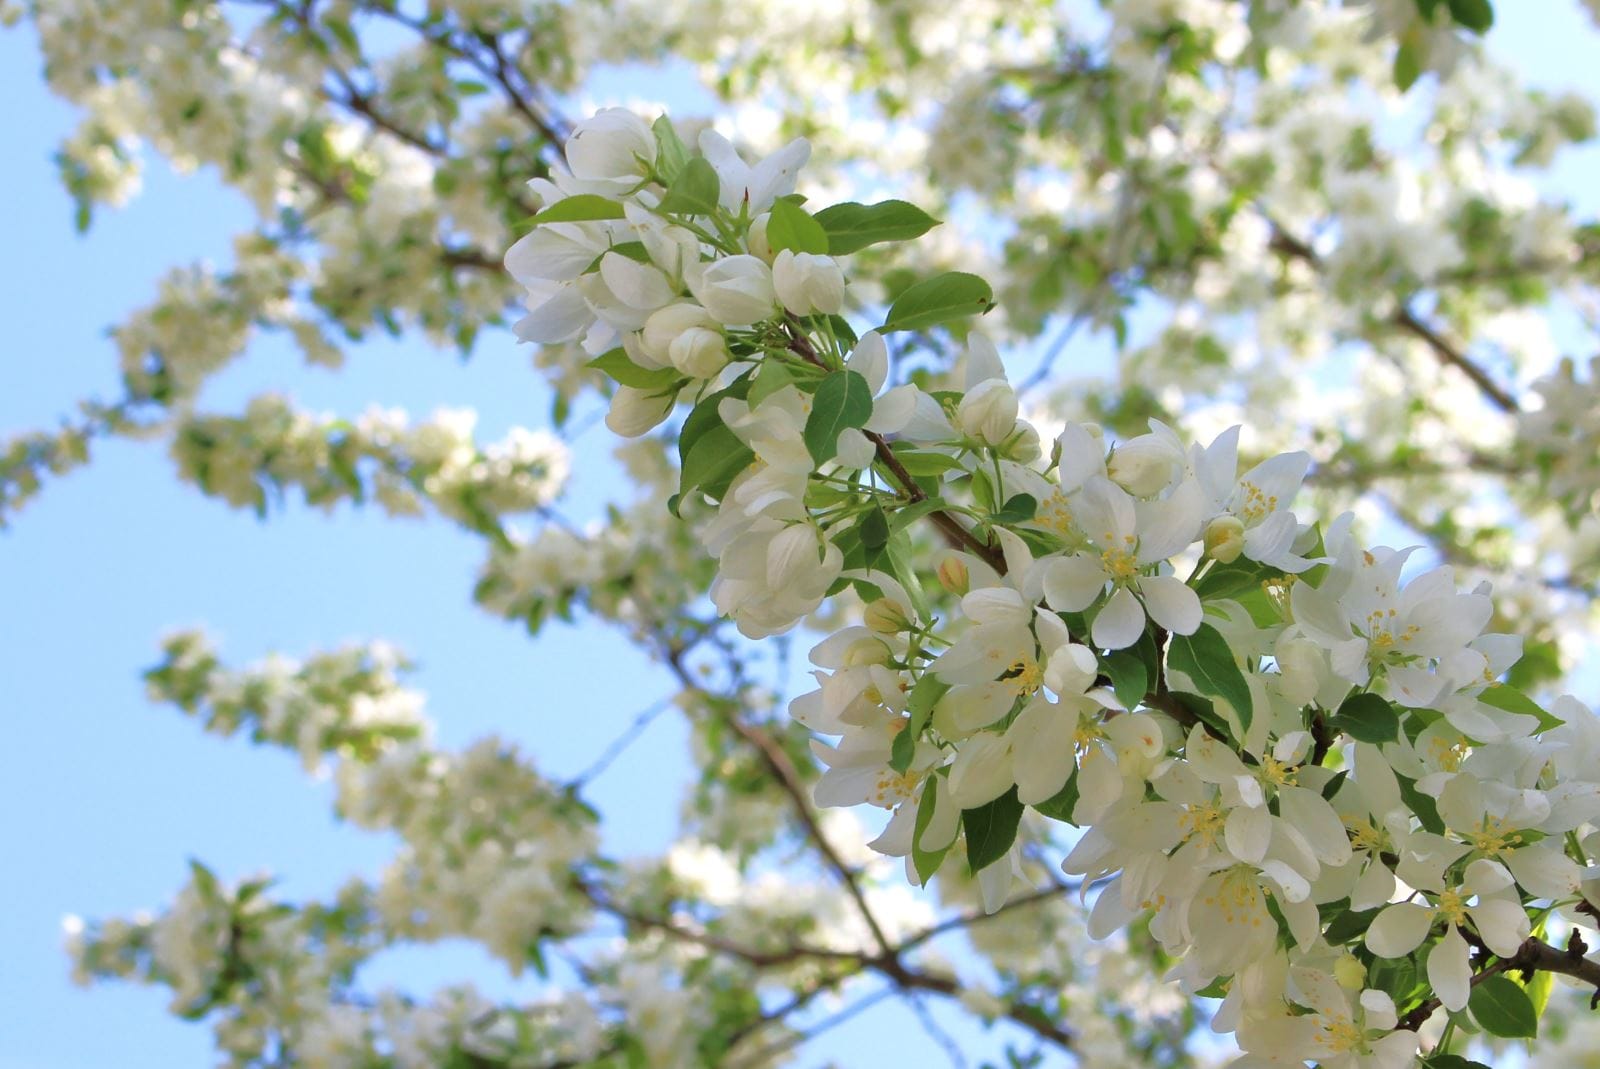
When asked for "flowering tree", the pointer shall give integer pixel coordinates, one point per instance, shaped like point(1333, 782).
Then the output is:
point(1150, 715)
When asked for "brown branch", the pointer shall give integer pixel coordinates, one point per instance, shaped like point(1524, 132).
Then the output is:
point(955, 533)
point(1407, 321)
point(1533, 956)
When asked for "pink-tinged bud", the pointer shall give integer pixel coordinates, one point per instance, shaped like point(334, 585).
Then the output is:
point(953, 576)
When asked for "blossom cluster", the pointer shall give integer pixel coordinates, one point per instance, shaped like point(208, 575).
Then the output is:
point(1298, 761)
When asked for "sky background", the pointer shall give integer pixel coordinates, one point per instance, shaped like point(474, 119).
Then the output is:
point(103, 797)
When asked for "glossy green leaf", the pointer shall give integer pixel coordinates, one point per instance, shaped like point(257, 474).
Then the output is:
point(991, 829)
point(694, 191)
point(1503, 1008)
point(791, 227)
point(953, 295)
point(843, 400)
point(1129, 677)
point(582, 208)
point(1206, 658)
point(671, 153)
point(927, 862)
point(1367, 718)
point(851, 227)
point(616, 364)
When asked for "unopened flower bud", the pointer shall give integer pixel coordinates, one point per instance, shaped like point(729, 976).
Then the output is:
point(1350, 973)
point(699, 352)
point(808, 283)
point(756, 239)
point(665, 324)
point(614, 143)
point(736, 290)
point(634, 411)
point(1225, 539)
point(886, 617)
point(792, 553)
point(1023, 446)
point(988, 412)
point(953, 576)
point(866, 651)
point(1144, 466)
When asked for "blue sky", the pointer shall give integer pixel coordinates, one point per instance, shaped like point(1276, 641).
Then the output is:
point(105, 796)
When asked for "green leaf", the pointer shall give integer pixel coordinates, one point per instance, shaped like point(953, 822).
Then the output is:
point(1019, 508)
point(901, 564)
point(927, 862)
point(771, 377)
point(791, 227)
point(1503, 1009)
point(1452, 1061)
point(713, 461)
point(1426, 809)
point(1512, 700)
point(1475, 15)
point(694, 191)
point(902, 750)
point(1231, 579)
point(851, 227)
point(925, 694)
point(1206, 658)
point(1407, 65)
point(580, 209)
point(1350, 924)
point(843, 400)
point(1060, 805)
point(874, 529)
point(991, 829)
point(953, 295)
point(920, 463)
point(1367, 718)
point(1129, 677)
point(616, 364)
point(671, 153)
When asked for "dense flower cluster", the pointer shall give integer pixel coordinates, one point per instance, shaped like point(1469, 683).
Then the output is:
point(1298, 763)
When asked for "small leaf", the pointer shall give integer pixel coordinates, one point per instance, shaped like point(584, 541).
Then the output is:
point(771, 377)
point(1509, 698)
point(1331, 788)
point(671, 153)
point(1019, 508)
point(1452, 1061)
point(1129, 678)
point(1475, 15)
point(953, 295)
point(616, 364)
point(694, 191)
point(1206, 658)
point(851, 227)
point(1503, 1009)
point(927, 862)
point(712, 463)
point(580, 208)
point(874, 529)
point(1407, 66)
point(790, 227)
point(920, 463)
point(843, 400)
point(1426, 809)
point(991, 829)
point(1060, 805)
point(1349, 925)
point(902, 750)
point(1367, 718)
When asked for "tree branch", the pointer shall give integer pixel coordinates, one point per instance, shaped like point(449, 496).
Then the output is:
point(1533, 956)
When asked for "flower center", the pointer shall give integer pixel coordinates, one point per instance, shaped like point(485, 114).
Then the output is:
point(1025, 676)
point(892, 788)
point(1204, 822)
point(1338, 1034)
point(1257, 505)
point(1452, 907)
point(1120, 563)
